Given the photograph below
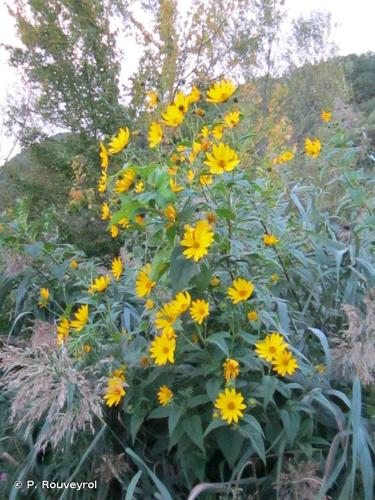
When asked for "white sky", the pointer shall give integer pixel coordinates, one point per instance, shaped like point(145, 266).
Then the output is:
point(354, 33)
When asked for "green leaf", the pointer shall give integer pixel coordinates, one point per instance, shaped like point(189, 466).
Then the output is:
point(252, 432)
point(215, 424)
point(213, 387)
point(291, 422)
point(219, 340)
point(132, 485)
point(198, 400)
point(193, 428)
point(268, 389)
point(230, 443)
point(181, 270)
point(175, 413)
point(136, 421)
point(225, 213)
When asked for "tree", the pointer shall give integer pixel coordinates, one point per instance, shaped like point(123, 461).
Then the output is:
point(69, 64)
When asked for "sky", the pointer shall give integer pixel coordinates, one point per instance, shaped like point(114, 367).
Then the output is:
point(353, 33)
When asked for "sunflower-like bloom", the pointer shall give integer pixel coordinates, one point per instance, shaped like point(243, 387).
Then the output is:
point(220, 92)
point(284, 363)
point(106, 213)
point(181, 101)
point(271, 346)
point(73, 264)
point(326, 116)
point(215, 281)
point(230, 404)
point(119, 373)
point(155, 134)
point(103, 154)
point(81, 318)
point(115, 391)
point(194, 95)
point(162, 349)
point(190, 175)
point(119, 141)
point(199, 310)
point(144, 283)
point(172, 117)
point(313, 147)
point(176, 188)
point(140, 219)
point(231, 369)
point(123, 184)
point(102, 184)
point(252, 316)
point(182, 302)
point(166, 316)
point(124, 223)
point(232, 119)
point(114, 231)
point(283, 158)
point(139, 187)
point(62, 331)
point(100, 284)
point(270, 240)
point(217, 132)
point(241, 290)
point(170, 213)
point(206, 180)
point(152, 99)
point(117, 268)
point(165, 395)
point(43, 297)
point(149, 304)
point(205, 132)
point(222, 159)
point(197, 240)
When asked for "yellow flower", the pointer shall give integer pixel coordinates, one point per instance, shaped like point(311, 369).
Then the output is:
point(139, 187)
point(140, 219)
point(220, 92)
point(214, 281)
point(144, 283)
point(152, 99)
point(275, 278)
point(231, 369)
point(172, 117)
point(170, 213)
point(205, 180)
point(106, 213)
point(155, 134)
point(197, 240)
point(115, 391)
point(114, 231)
point(252, 316)
point(181, 102)
point(312, 147)
point(194, 95)
point(117, 268)
point(119, 141)
point(270, 240)
point(174, 186)
point(62, 331)
point(181, 148)
point(271, 346)
point(217, 132)
point(44, 297)
point(232, 119)
point(145, 361)
point(149, 304)
point(73, 264)
point(81, 318)
point(123, 184)
point(87, 348)
point(195, 150)
point(321, 369)
point(119, 373)
point(190, 175)
point(230, 403)
point(199, 310)
point(104, 158)
point(284, 363)
point(223, 158)
point(326, 116)
point(166, 316)
point(102, 184)
point(165, 395)
point(204, 133)
point(100, 284)
point(241, 290)
point(182, 302)
point(173, 170)
point(284, 157)
point(124, 222)
point(162, 349)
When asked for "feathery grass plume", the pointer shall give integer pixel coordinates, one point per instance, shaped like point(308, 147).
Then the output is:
point(40, 382)
point(43, 334)
point(14, 264)
point(112, 467)
point(299, 481)
point(354, 351)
